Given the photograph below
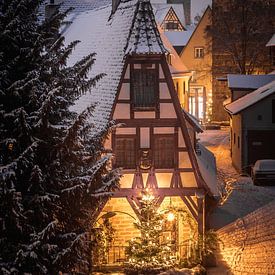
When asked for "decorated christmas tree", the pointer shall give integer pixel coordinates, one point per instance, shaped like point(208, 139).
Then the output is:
point(150, 253)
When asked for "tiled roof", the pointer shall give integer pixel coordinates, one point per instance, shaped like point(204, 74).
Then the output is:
point(144, 37)
point(250, 99)
point(77, 5)
point(242, 81)
point(130, 30)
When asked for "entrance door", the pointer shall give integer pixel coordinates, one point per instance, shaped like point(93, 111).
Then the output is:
point(197, 102)
point(261, 145)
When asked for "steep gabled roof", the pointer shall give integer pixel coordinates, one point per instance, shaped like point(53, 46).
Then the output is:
point(250, 99)
point(161, 11)
point(130, 30)
point(77, 5)
point(144, 36)
point(207, 10)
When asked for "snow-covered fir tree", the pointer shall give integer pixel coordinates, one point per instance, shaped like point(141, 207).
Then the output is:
point(53, 170)
point(149, 253)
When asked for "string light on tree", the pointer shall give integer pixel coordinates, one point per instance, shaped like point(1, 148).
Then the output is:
point(148, 254)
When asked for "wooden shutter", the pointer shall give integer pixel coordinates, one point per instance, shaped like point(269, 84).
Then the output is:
point(125, 152)
point(144, 88)
point(164, 148)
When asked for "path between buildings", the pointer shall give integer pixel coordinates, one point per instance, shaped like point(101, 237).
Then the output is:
point(240, 196)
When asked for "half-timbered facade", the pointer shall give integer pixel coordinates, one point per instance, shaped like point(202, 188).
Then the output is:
point(155, 143)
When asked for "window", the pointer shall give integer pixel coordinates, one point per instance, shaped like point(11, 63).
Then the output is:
point(125, 152)
point(172, 26)
point(164, 151)
point(199, 52)
point(273, 111)
point(234, 138)
point(259, 117)
point(238, 142)
point(143, 88)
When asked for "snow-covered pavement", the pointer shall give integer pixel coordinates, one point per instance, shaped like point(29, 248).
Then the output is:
point(240, 195)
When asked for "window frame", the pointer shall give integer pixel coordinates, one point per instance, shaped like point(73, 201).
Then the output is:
point(144, 67)
point(199, 50)
point(172, 136)
point(134, 138)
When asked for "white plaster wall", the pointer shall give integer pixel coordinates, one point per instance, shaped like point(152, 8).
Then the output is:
point(126, 131)
point(145, 115)
point(124, 91)
point(164, 130)
point(122, 111)
point(126, 181)
point(181, 141)
point(145, 137)
point(127, 73)
point(164, 91)
point(161, 74)
point(188, 179)
point(164, 179)
point(167, 110)
point(184, 160)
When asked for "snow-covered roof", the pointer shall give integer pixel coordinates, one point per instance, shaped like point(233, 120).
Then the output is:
point(193, 121)
point(250, 99)
point(207, 164)
point(131, 29)
point(178, 38)
point(144, 36)
point(177, 66)
point(161, 10)
point(242, 81)
point(271, 42)
point(77, 5)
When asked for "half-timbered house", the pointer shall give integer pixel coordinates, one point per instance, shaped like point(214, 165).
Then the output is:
point(156, 142)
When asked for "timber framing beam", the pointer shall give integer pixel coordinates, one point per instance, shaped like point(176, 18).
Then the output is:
point(167, 192)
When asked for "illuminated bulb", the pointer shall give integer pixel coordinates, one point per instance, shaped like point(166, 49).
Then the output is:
point(170, 217)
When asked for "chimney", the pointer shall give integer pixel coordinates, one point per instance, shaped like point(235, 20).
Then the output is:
point(115, 4)
point(50, 9)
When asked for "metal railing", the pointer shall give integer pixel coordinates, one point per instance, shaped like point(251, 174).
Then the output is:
point(116, 255)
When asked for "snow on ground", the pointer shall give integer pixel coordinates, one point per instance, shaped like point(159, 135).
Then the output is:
point(241, 197)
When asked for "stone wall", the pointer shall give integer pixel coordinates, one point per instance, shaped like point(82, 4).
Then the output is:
point(249, 243)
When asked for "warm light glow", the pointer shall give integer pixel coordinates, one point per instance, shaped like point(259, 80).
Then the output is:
point(170, 216)
point(147, 196)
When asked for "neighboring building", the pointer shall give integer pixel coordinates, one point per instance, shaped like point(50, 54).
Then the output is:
point(179, 39)
point(222, 61)
point(241, 85)
point(180, 74)
point(253, 127)
point(156, 142)
point(168, 19)
point(172, 21)
point(198, 59)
